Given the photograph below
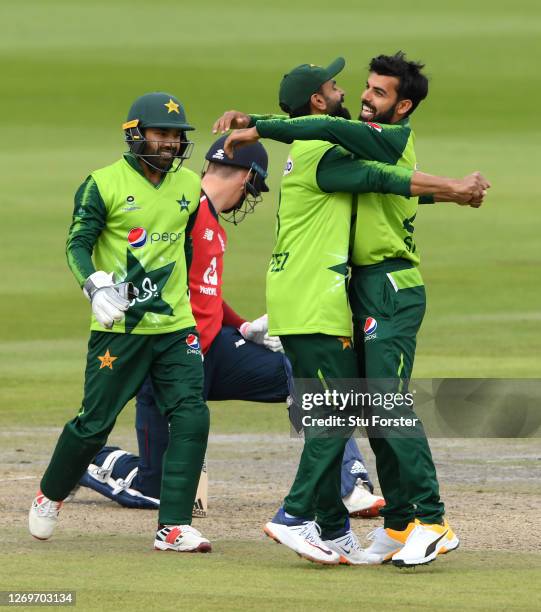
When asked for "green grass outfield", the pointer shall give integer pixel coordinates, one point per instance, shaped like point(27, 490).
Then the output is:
point(263, 576)
point(70, 70)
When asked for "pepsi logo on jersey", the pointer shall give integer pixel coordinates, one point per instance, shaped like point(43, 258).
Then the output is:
point(138, 237)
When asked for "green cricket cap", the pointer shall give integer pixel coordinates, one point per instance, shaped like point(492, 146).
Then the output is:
point(157, 109)
point(300, 83)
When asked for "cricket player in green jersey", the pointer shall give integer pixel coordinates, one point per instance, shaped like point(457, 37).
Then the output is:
point(387, 297)
point(307, 299)
point(128, 251)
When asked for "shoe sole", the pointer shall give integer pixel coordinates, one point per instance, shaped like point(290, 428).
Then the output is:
point(422, 561)
point(202, 548)
point(342, 560)
point(372, 512)
point(402, 564)
point(452, 546)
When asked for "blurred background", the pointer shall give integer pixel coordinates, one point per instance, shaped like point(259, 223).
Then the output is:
point(70, 70)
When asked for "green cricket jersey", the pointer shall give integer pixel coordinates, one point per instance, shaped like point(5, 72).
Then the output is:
point(306, 280)
point(137, 231)
point(384, 222)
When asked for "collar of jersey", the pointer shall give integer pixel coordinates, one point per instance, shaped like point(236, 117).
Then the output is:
point(136, 165)
point(211, 205)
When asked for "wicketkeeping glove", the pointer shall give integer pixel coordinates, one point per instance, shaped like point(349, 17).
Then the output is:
point(109, 300)
point(257, 331)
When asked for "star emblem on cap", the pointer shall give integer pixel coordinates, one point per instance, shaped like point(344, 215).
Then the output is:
point(107, 360)
point(172, 107)
point(183, 202)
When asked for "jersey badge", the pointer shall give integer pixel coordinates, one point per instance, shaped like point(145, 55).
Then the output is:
point(107, 360)
point(209, 234)
point(183, 203)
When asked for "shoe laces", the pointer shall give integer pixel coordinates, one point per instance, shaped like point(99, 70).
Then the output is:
point(183, 529)
point(349, 539)
point(47, 508)
point(311, 532)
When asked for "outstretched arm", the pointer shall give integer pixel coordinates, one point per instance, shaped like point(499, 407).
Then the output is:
point(234, 120)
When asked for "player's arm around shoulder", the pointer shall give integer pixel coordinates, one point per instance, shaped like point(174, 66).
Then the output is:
point(371, 141)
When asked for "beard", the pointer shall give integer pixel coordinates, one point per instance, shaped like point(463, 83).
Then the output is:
point(341, 111)
point(159, 157)
point(335, 108)
point(382, 117)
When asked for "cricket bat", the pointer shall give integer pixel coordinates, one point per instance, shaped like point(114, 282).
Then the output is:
point(201, 497)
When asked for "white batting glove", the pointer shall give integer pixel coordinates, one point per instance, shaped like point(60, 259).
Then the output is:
point(273, 343)
point(109, 301)
point(257, 331)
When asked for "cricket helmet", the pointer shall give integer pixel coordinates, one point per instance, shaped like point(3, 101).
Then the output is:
point(253, 158)
point(157, 110)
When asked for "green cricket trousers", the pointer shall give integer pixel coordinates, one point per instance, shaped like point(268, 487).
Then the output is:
point(319, 362)
point(117, 365)
point(388, 302)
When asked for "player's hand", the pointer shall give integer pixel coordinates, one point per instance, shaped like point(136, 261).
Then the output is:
point(231, 120)
point(257, 331)
point(109, 300)
point(471, 190)
point(273, 343)
point(240, 138)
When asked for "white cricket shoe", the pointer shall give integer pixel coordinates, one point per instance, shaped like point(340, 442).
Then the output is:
point(361, 503)
point(302, 536)
point(43, 516)
point(387, 542)
point(423, 545)
point(451, 541)
point(181, 538)
point(350, 551)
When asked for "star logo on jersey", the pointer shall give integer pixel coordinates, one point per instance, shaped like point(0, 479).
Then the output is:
point(150, 284)
point(107, 360)
point(346, 342)
point(183, 203)
point(172, 107)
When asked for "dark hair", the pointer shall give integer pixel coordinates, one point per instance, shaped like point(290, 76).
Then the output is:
point(303, 110)
point(412, 84)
